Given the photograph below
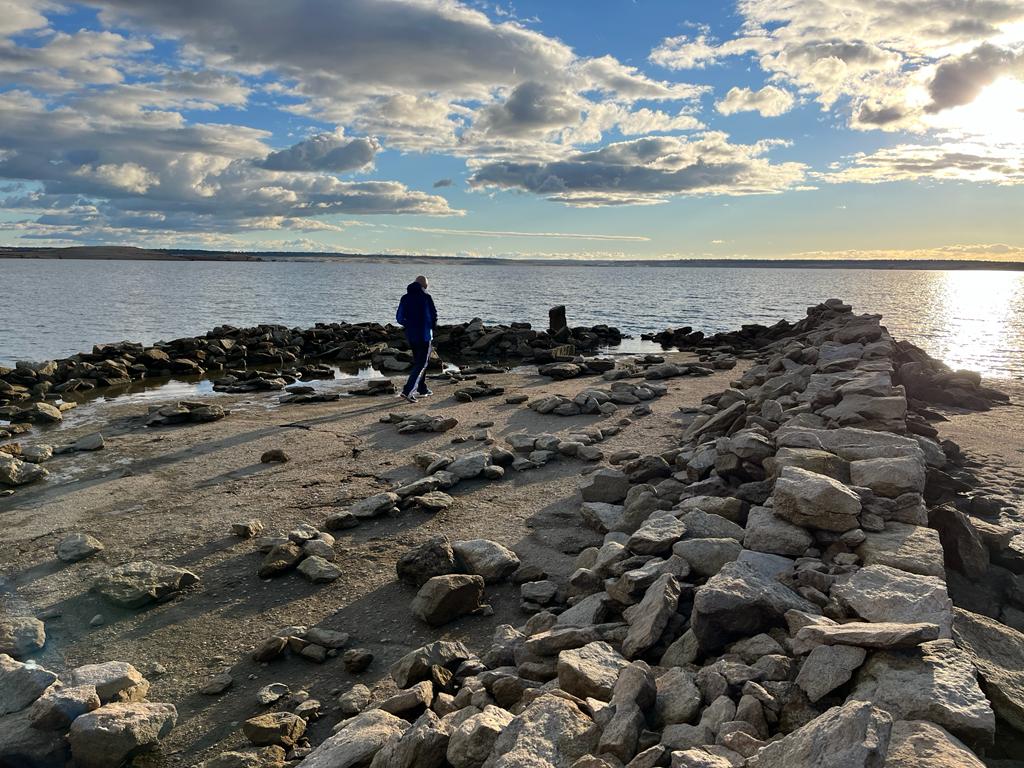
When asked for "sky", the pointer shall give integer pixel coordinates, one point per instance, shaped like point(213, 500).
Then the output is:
point(598, 129)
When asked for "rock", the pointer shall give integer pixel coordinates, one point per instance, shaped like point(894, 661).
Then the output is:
point(936, 682)
point(355, 700)
point(418, 664)
point(738, 602)
point(910, 548)
point(21, 635)
point(138, 583)
point(963, 547)
point(648, 619)
point(920, 744)
point(815, 501)
point(341, 521)
point(766, 532)
point(473, 739)
point(878, 635)
point(435, 501)
point(435, 557)
point(657, 535)
point(319, 570)
point(539, 592)
point(264, 757)
point(57, 708)
point(469, 466)
point(356, 660)
point(996, 651)
point(550, 733)
point(602, 517)
point(827, 668)
point(707, 556)
point(889, 476)
point(413, 699)
point(268, 694)
point(678, 698)
point(374, 506)
point(93, 442)
point(279, 560)
point(486, 558)
point(21, 684)
point(357, 741)
point(878, 593)
point(274, 455)
point(113, 733)
point(590, 671)
point(283, 729)
point(22, 746)
point(217, 684)
point(114, 681)
point(422, 746)
point(248, 529)
point(605, 485)
point(855, 735)
point(320, 548)
point(14, 471)
point(445, 598)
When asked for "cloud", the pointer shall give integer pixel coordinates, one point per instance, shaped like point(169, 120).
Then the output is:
point(961, 161)
point(507, 233)
point(959, 80)
point(645, 171)
point(325, 152)
point(885, 59)
point(769, 101)
point(531, 107)
point(443, 183)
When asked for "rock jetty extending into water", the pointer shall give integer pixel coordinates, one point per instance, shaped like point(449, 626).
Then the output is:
point(804, 579)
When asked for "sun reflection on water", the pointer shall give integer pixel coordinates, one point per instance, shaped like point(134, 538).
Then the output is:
point(982, 312)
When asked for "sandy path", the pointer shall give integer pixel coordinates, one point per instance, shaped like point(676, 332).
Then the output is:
point(171, 494)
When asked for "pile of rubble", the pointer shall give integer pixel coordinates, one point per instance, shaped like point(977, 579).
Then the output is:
point(595, 400)
point(768, 594)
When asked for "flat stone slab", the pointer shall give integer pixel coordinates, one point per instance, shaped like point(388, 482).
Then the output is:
point(135, 584)
point(998, 652)
point(880, 636)
point(878, 593)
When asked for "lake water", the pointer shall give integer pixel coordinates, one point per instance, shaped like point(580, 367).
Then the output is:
point(51, 309)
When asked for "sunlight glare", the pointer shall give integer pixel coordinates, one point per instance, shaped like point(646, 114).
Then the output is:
point(994, 118)
point(979, 308)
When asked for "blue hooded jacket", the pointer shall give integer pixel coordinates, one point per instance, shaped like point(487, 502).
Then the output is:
point(417, 314)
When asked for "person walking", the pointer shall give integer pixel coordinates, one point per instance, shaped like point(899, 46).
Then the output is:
point(418, 316)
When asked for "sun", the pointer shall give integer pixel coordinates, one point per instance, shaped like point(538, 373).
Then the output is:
point(994, 118)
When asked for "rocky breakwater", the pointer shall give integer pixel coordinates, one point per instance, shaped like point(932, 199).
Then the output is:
point(768, 594)
point(227, 348)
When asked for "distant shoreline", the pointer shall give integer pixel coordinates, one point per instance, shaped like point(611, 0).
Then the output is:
point(121, 253)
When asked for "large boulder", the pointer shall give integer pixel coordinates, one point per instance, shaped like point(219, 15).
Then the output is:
point(739, 601)
point(605, 485)
point(14, 471)
point(417, 665)
point(890, 476)
point(473, 739)
point(767, 532)
point(550, 733)
point(828, 667)
point(590, 671)
point(998, 652)
point(486, 558)
point(880, 593)
point(648, 619)
point(21, 635)
point(920, 744)
point(113, 680)
point(935, 682)
point(445, 598)
point(135, 584)
point(815, 501)
point(108, 736)
point(434, 557)
point(963, 548)
point(58, 707)
point(422, 746)
point(376, 505)
point(910, 548)
point(24, 746)
point(357, 741)
point(21, 684)
point(855, 735)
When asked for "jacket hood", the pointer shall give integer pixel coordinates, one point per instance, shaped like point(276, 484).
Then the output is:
point(414, 287)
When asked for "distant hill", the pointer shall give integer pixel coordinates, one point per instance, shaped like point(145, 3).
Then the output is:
point(128, 253)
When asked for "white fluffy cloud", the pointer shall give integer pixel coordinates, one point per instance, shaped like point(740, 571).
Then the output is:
point(887, 60)
point(769, 101)
point(960, 161)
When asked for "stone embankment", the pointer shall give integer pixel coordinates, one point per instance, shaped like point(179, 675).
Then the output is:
point(773, 592)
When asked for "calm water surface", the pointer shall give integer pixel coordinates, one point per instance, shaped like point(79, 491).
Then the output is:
point(48, 309)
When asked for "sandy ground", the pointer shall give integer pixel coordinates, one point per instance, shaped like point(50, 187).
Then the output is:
point(171, 494)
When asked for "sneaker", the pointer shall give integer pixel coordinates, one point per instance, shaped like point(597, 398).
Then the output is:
point(428, 393)
point(405, 396)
